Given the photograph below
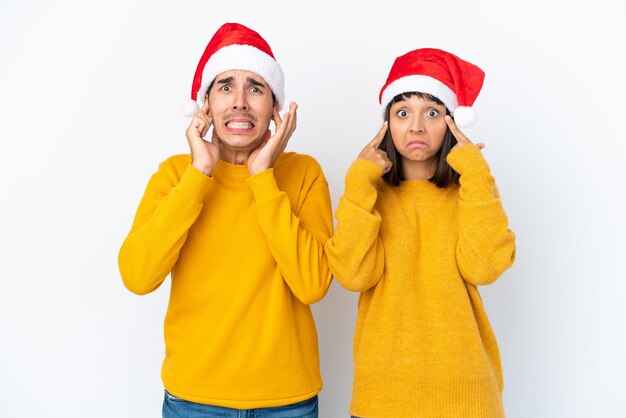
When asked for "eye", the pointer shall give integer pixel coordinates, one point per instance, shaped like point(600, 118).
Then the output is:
point(225, 87)
point(255, 89)
point(432, 113)
point(402, 113)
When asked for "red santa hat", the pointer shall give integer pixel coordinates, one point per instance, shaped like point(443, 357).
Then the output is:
point(449, 78)
point(235, 47)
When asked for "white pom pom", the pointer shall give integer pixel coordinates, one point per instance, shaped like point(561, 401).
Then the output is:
point(190, 108)
point(464, 117)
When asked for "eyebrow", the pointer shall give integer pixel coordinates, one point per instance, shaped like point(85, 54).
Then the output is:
point(225, 80)
point(254, 82)
point(427, 101)
point(248, 79)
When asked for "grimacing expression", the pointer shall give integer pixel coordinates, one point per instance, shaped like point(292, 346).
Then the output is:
point(241, 106)
point(417, 128)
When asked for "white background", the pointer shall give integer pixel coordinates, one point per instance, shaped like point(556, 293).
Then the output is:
point(90, 102)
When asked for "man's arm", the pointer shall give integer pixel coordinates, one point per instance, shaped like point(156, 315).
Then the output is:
point(170, 205)
point(296, 236)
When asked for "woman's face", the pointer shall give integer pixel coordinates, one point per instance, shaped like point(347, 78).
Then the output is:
point(417, 128)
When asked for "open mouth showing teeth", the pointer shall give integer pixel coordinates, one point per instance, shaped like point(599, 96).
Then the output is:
point(240, 125)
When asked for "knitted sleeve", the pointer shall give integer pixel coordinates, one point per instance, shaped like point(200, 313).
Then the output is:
point(355, 253)
point(296, 237)
point(170, 205)
point(486, 245)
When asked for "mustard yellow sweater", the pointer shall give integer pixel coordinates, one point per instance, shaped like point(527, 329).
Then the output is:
point(423, 346)
point(246, 259)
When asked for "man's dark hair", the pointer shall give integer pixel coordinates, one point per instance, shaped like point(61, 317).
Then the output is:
point(444, 174)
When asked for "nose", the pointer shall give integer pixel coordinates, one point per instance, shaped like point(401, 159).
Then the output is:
point(417, 124)
point(240, 101)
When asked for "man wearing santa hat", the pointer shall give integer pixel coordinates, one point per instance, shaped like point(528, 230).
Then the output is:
point(240, 225)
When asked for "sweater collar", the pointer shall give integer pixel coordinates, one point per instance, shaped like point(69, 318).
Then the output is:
point(231, 175)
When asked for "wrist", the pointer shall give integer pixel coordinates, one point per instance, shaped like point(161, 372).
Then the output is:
point(256, 166)
point(204, 168)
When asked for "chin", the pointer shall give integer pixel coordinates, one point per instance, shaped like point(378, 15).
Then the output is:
point(240, 140)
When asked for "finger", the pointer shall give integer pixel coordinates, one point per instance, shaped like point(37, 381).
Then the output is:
point(205, 129)
point(195, 127)
point(282, 128)
point(194, 135)
point(215, 140)
point(201, 120)
point(200, 125)
point(460, 136)
point(293, 115)
point(276, 118)
point(293, 109)
point(281, 133)
point(385, 163)
point(379, 136)
point(382, 153)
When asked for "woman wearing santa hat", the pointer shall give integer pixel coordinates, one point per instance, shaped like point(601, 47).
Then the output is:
point(420, 227)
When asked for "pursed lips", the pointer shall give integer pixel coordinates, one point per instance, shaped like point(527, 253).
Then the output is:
point(417, 143)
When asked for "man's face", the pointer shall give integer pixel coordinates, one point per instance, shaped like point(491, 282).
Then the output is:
point(241, 105)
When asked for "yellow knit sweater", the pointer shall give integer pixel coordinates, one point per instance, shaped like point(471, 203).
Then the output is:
point(246, 259)
point(423, 346)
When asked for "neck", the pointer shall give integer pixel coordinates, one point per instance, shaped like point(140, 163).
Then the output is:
point(419, 170)
point(237, 154)
point(234, 156)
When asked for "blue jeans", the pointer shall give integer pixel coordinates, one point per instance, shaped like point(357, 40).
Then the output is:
point(174, 407)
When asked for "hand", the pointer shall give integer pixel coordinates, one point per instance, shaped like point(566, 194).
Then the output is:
point(204, 154)
point(372, 153)
point(272, 146)
point(461, 139)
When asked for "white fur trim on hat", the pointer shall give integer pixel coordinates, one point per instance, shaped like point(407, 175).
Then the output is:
point(464, 117)
point(421, 84)
point(190, 107)
point(247, 58)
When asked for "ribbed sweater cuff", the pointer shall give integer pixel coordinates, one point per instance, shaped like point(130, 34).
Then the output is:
point(263, 185)
point(427, 397)
point(193, 184)
point(360, 180)
point(477, 183)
